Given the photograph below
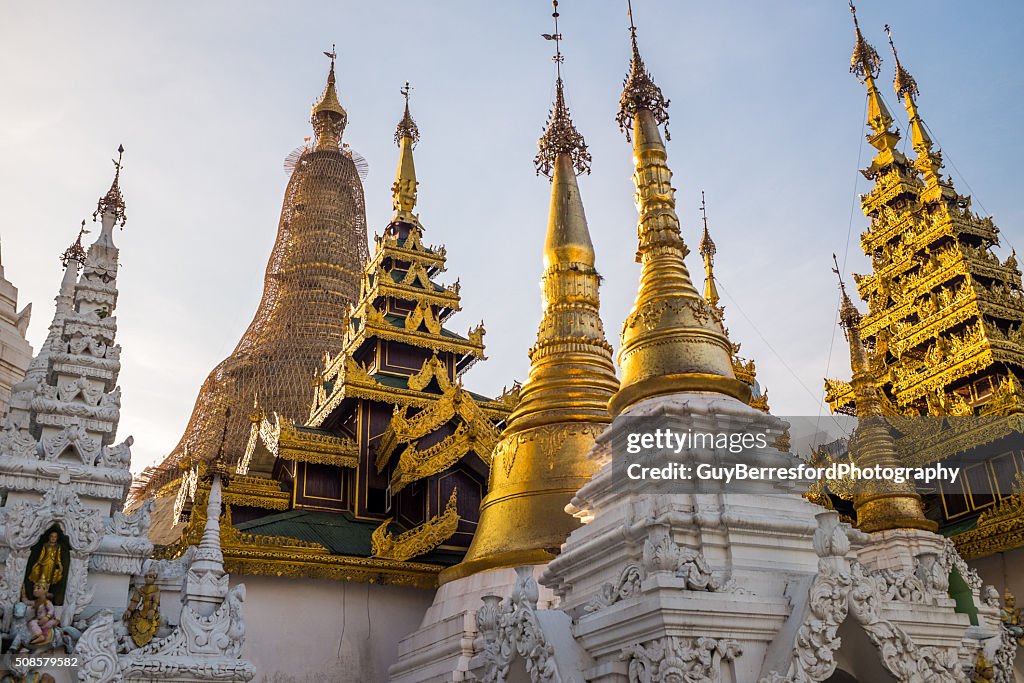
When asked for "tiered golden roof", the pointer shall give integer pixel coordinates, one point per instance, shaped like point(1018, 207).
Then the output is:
point(672, 340)
point(387, 411)
point(945, 315)
point(541, 460)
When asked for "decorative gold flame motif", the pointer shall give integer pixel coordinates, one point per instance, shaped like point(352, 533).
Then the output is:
point(311, 278)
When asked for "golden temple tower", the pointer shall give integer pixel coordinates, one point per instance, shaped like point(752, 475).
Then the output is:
point(880, 506)
point(672, 340)
point(311, 279)
point(945, 315)
point(541, 460)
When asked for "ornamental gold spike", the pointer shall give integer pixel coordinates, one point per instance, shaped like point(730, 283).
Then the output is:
point(864, 64)
point(707, 250)
point(881, 506)
point(403, 192)
point(929, 160)
point(541, 460)
point(672, 340)
point(328, 116)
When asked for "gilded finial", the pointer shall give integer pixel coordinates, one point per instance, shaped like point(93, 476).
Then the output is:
point(76, 251)
point(639, 91)
point(328, 116)
point(849, 316)
point(113, 201)
point(865, 62)
point(403, 191)
point(560, 135)
point(407, 127)
point(708, 250)
point(929, 160)
point(904, 84)
point(880, 506)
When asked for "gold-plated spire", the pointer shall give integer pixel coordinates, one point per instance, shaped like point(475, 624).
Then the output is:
point(541, 462)
point(113, 202)
point(707, 250)
point(864, 64)
point(672, 340)
point(880, 506)
point(929, 160)
point(403, 192)
point(328, 116)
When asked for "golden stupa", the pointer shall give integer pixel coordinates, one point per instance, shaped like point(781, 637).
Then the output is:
point(541, 460)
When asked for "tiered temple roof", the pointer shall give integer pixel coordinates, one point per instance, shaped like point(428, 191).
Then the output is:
point(944, 328)
point(944, 313)
point(382, 480)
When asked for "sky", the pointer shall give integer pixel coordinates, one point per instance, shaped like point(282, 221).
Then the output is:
point(208, 98)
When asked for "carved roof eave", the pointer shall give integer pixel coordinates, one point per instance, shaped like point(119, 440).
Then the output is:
point(998, 529)
point(998, 537)
point(263, 561)
point(426, 340)
point(889, 185)
point(960, 435)
point(970, 265)
point(942, 374)
point(345, 389)
point(987, 305)
point(952, 316)
point(839, 395)
point(950, 225)
point(258, 492)
point(420, 539)
point(444, 297)
point(430, 259)
point(414, 465)
point(21, 474)
point(280, 556)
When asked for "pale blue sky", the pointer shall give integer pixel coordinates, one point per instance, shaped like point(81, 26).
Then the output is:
point(208, 98)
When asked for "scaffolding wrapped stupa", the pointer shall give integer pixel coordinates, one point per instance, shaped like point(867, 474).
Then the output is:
point(312, 277)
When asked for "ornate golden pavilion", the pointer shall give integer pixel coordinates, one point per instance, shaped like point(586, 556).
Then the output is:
point(943, 326)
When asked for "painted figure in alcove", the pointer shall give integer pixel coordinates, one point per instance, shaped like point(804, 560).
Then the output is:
point(48, 569)
point(143, 614)
point(44, 618)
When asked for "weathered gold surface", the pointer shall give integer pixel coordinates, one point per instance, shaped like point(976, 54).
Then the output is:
point(419, 540)
point(672, 339)
point(259, 492)
point(541, 460)
point(284, 440)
